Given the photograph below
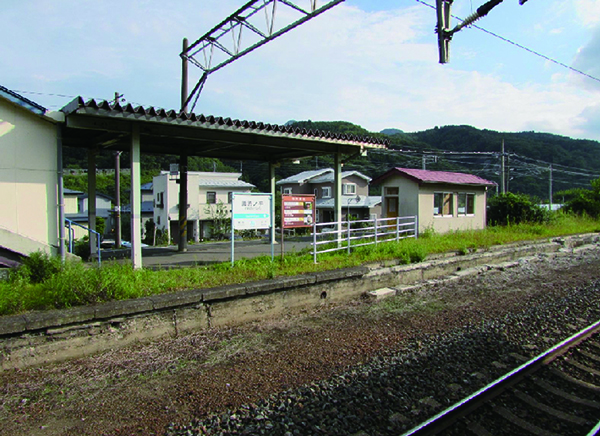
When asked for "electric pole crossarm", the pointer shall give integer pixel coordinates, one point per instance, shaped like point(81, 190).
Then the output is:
point(201, 52)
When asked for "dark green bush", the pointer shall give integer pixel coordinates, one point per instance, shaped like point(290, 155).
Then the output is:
point(586, 201)
point(512, 208)
point(37, 268)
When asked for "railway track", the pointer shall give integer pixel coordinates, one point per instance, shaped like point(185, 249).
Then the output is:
point(556, 393)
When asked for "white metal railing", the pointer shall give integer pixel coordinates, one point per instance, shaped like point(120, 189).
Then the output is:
point(328, 237)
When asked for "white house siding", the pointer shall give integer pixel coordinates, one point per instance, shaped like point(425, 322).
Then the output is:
point(28, 180)
point(71, 204)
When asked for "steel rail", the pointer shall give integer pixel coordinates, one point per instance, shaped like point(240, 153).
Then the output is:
point(452, 414)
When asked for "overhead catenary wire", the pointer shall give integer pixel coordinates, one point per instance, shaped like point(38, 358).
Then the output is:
point(521, 46)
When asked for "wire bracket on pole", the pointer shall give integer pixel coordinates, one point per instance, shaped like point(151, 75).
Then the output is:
point(443, 23)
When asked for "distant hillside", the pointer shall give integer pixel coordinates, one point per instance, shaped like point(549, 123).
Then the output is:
point(391, 132)
point(526, 149)
point(525, 175)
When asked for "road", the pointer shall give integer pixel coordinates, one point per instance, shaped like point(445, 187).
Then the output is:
point(208, 253)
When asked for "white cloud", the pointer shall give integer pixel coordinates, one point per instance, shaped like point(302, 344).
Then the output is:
point(587, 60)
point(588, 11)
point(377, 69)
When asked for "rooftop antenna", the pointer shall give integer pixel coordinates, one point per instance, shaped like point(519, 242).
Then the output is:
point(224, 44)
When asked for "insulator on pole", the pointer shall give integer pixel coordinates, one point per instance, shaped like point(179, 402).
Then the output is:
point(482, 11)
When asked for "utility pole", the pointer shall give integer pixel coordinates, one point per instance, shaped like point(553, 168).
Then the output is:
point(550, 192)
point(184, 77)
point(502, 171)
point(117, 189)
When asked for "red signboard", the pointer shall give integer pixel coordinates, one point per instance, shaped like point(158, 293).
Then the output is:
point(297, 211)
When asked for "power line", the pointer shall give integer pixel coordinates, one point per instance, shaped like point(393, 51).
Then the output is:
point(516, 44)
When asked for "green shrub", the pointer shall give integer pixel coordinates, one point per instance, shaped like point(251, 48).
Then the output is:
point(36, 268)
point(507, 209)
point(586, 202)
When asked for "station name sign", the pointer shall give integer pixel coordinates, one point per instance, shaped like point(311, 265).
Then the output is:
point(251, 211)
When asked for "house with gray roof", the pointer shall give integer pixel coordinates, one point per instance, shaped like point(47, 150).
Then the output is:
point(443, 201)
point(209, 198)
point(356, 201)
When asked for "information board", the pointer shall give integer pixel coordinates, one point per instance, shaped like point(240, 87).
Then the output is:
point(297, 211)
point(251, 211)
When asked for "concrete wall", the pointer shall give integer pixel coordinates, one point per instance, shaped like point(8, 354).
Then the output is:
point(28, 180)
point(41, 337)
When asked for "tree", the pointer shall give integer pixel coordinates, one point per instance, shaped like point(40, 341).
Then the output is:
point(512, 208)
point(586, 201)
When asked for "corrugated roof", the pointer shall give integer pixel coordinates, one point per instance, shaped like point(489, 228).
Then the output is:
point(104, 108)
point(329, 203)
point(72, 192)
point(428, 176)
point(329, 177)
point(208, 183)
point(22, 101)
point(147, 207)
point(324, 175)
point(304, 176)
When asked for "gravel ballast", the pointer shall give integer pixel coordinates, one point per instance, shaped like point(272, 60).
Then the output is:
point(364, 368)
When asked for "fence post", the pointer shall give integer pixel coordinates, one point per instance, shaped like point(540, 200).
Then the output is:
point(376, 230)
point(416, 226)
point(348, 235)
point(397, 228)
point(315, 242)
point(71, 236)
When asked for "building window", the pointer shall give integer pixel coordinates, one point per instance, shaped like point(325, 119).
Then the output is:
point(443, 204)
point(211, 197)
point(349, 188)
point(316, 192)
point(287, 191)
point(159, 199)
point(326, 191)
point(230, 197)
point(391, 191)
point(466, 203)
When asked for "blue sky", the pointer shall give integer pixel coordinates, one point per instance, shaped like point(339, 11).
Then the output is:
point(370, 62)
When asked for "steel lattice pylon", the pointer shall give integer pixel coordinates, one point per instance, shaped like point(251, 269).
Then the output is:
point(256, 22)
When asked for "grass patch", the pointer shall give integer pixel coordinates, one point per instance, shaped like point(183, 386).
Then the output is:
point(43, 283)
point(408, 303)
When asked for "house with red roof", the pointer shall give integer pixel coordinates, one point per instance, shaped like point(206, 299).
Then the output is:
point(442, 201)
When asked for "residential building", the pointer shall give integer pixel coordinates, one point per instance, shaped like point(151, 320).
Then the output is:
point(28, 178)
point(356, 201)
point(77, 209)
point(209, 198)
point(442, 201)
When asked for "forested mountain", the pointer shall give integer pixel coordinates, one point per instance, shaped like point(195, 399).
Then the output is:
point(450, 148)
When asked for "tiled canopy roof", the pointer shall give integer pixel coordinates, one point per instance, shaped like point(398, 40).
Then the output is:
point(159, 114)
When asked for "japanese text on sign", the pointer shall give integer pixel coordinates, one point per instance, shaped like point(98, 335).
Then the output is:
point(251, 211)
point(298, 210)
